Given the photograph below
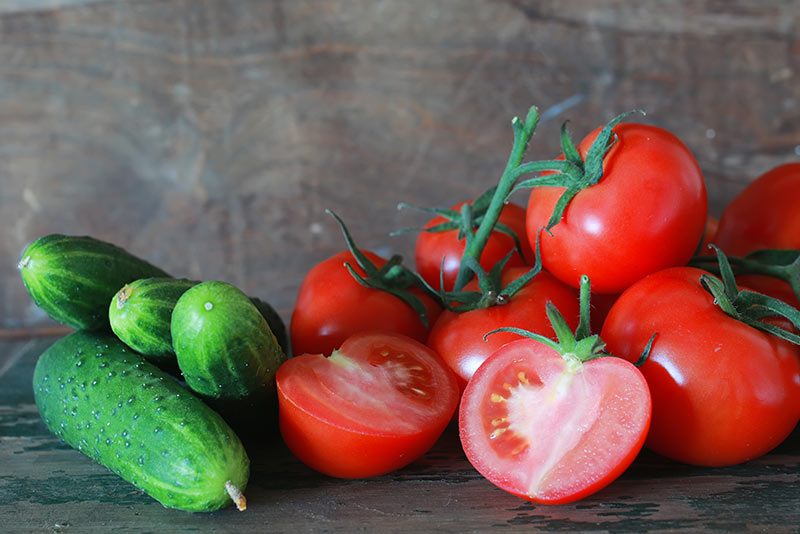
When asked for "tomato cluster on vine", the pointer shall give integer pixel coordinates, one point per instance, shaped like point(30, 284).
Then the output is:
point(610, 313)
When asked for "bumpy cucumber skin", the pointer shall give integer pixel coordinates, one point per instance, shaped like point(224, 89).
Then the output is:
point(140, 315)
point(224, 345)
point(123, 412)
point(73, 278)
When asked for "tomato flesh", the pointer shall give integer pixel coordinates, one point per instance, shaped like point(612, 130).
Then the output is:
point(551, 429)
point(373, 406)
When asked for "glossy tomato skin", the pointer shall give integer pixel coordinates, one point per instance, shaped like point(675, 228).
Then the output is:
point(765, 214)
point(375, 405)
point(331, 306)
point(723, 392)
point(432, 248)
point(458, 337)
point(645, 214)
point(549, 431)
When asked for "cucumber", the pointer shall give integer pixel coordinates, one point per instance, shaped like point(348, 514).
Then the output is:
point(73, 278)
point(140, 315)
point(227, 352)
point(101, 398)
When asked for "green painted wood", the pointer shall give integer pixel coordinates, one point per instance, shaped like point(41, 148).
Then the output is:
point(47, 487)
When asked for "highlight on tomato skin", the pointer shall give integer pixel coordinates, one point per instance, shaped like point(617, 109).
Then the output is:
point(551, 429)
point(375, 405)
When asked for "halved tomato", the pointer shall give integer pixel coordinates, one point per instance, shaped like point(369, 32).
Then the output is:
point(374, 405)
point(551, 428)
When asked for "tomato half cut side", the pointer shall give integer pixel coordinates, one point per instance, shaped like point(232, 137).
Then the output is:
point(551, 429)
point(374, 405)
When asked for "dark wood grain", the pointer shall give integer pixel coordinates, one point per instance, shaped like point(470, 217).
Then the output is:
point(45, 486)
point(209, 136)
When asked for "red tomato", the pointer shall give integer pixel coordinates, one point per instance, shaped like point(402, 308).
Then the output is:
point(646, 213)
point(723, 392)
point(766, 214)
point(548, 428)
point(431, 248)
point(709, 236)
point(331, 306)
point(458, 337)
point(375, 405)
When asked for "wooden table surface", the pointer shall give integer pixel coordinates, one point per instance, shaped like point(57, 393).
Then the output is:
point(45, 486)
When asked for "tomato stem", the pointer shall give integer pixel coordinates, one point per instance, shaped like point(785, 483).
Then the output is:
point(580, 345)
point(783, 264)
point(476, 241)
point(392, 278)
point(747, 306)
point(573, 173)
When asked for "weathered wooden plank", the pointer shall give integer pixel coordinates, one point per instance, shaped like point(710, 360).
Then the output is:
point(45, 485)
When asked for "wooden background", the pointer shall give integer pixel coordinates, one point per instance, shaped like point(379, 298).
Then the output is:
point(209, 136)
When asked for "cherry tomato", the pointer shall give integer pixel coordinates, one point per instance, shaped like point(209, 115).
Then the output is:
point(331, 306)
point(432, 248)
point(458, 337)
point(375, 405)
point(551, 429)
point(766, 214)
point(646, 213)
point(723, 392)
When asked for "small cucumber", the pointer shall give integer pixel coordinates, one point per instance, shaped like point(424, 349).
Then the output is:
point(224, 345)
point(73, 278)
point(123, 412)
point(140, 315)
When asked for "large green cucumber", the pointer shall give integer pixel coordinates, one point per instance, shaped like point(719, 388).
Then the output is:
point(73, 278)
point(123, 412)
point(224, 346)
point(141, 311)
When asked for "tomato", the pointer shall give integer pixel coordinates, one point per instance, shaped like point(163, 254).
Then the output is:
point(432, 248)
point(458, 337)
point(551, 429)
point(723, 392)
point(373, 406)
point(766, 214)
point(331, 305)
point(646, 213)
point(709, 236)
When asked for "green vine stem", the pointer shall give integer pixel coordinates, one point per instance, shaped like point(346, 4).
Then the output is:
point(476, 241)
point(464, 220)
point(573, 172)
point(749, 307)
point(783, 264)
